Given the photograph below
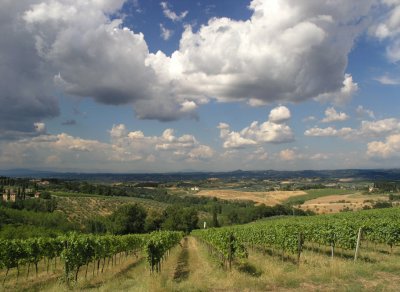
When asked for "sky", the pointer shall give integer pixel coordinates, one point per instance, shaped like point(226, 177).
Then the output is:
point(165, 86)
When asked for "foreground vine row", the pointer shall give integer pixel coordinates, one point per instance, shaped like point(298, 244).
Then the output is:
point(77, 250)
point(287, 235)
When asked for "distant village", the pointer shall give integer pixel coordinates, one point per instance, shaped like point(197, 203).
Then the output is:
point(14, 194)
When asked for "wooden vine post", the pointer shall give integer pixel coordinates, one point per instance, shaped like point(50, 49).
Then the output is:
point(300, 242)
point(358, 244)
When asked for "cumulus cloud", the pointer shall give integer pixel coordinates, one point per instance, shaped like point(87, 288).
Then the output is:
point(226, 59)
point(363, 112)
point(331, 115)
point(93, 55)
point(233, 139)
point(53, 149)
point(279, 115)
point(25, 89)
point(165, 32)
point(286, 51)
point(367, 129)
point(379, 127)
point(124, 147)
point(328, 132)
point(387, 80)
point(309, 119)
point(137, 144)
point(390, 148)
point(40, 128)
point(319, 156)
point(100, 58)
point(275, 130)
point(201, 152)
point(388, 28)
point(258, 155)
point(342, 95)
point(287, 155)
point(168, 13)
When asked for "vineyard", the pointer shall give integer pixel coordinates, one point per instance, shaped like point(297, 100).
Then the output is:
point(354, 250)
point(76, 251)
point(288, 236)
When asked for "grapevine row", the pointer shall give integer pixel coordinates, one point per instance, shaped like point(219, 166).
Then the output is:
point(77, 250)
point(287, 235)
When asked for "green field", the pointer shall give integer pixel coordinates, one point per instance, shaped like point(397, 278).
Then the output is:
point(316, 193)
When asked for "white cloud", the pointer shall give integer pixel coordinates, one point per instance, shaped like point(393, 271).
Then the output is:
point(227, 59)
point(388, 28)
point(279, 115)
point(124, 147)
point(258, 155)
point(141, 146)
point(380, 127)
point(388, 149)
point(367, 129)
point(329, 132)
point(168, 13)
point(165, 32)
point(362, 112)
point(118, 131)
point(254, 102)
point(267, 132)
point(286, 51)
point(40, 128)
point(233, 139)
point(387, 80)
point(309, 119)
point(188, 106)
point(331, 115)
point(319, 156)
point(287, 155)
point(201, 152)
point(343, 95)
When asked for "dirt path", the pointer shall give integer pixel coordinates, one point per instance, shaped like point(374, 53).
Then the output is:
point(182, 271)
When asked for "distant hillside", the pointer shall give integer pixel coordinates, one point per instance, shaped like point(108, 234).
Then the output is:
point(357, 174)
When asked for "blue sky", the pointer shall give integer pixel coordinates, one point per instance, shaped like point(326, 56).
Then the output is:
point(137, 86)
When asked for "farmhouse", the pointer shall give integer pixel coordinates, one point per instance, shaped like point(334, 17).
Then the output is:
point(9, 195)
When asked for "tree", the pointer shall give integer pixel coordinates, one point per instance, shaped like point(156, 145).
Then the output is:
point(154, 221)
point(128, 219)
point(215, 222)
point(233, 217)
point(181, 219)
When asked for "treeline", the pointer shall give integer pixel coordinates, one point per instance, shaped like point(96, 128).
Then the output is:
point(385, 186)
point(36, 205)
point(22, 183)
point(135, 219)
point(24, 224)
point(234, 214)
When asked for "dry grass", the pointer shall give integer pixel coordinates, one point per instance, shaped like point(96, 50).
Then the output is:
point(267, 198)
point(336, 203)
